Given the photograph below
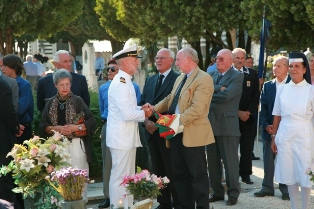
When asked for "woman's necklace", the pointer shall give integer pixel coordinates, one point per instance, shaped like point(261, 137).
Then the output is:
point(61, 104)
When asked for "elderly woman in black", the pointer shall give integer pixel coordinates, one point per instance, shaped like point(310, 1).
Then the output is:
point(69, 115)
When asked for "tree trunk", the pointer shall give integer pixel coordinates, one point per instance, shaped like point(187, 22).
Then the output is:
point(116, 45)
point(229, 40)
point(248, 45)
point(197, 46)
point(9, 41)
point(241, 41)
point(1, 43)
point(208, 55)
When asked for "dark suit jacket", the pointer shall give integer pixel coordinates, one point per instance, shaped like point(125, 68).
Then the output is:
point(148, 95)
point(79, 67)
point(46, 89)
point(250, 92)
point(9, 124)
point(223, 114)
point(267, 104)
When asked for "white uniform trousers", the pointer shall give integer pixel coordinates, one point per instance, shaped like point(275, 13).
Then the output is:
point(123, 162)
point(78, 158)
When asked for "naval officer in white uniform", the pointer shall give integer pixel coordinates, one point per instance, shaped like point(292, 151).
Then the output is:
point(122, 124)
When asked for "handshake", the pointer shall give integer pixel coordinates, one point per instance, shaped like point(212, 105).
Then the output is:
point(148, 110)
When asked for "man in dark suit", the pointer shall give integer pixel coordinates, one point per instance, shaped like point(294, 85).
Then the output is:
point(190, 97)
point(76, 65)
point(223, 117)
point(14, 88)
point(156, 88)
point(247, 108)
point(9, 129)
point(280, 71)
point(46, 88)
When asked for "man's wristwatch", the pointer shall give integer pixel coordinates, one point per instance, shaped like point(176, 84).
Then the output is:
point(273, 135)
point(80, 127)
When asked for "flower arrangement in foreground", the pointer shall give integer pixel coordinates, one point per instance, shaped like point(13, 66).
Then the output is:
point(144, 184)
point(32, 162)
point(70, 181)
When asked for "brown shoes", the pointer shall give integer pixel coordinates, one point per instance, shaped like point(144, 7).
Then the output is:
point(232, 201)
point(214, 198)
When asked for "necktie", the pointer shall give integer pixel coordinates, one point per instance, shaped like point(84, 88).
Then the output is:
point(219, 78)
point(176, 97)
point(159, 83)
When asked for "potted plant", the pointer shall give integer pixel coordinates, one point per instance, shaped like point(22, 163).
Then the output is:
point(144, 185)
point(31, 163)
point(70, 184)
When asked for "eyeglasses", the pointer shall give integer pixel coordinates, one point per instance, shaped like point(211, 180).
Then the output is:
point(112, 69)
point(67, 85)
point(220, 59)
point(161, 58)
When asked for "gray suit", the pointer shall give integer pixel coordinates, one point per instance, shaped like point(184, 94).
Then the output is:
point(223, 116)
point(15, 90)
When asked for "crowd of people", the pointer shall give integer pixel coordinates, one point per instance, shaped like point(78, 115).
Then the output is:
point(218, 110)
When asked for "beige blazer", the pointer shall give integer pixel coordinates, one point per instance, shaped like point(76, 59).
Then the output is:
point(193, 104)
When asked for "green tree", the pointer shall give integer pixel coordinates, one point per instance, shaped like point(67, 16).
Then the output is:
point(38, 17)
point(292, 22)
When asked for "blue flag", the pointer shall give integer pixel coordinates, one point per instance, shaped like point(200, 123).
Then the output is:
point(264, 36)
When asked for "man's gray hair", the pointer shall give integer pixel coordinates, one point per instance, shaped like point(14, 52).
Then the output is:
point(238, 50)
point(29, 57)
point(190, 52)
point(286, 59)
point(171, 53)
point(56, 56)
point(61, 74)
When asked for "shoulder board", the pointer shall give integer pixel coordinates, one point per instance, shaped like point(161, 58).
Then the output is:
point(122, 80)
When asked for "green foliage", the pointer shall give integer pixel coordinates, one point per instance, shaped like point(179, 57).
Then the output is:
point(95, 168)
point(292, 22)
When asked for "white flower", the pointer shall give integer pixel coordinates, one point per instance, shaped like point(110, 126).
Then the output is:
point(42, 152)
point(57, 136)
point(43, 160)
point(165, 180)
point(60, 151)
point(27, 164)
point(13, 152)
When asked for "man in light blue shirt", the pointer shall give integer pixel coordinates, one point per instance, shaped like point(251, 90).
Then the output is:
point(31, 71)
point(99, 65)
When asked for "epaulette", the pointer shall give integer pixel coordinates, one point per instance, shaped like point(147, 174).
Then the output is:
point(122, 80)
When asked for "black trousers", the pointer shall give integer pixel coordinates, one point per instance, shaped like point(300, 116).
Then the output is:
point(161, 161)
point(190, 176)
point(248, 133)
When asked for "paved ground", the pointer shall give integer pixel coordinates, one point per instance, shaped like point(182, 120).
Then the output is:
point(245, 201)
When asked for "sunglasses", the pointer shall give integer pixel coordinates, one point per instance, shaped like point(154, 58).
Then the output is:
point(112, 69)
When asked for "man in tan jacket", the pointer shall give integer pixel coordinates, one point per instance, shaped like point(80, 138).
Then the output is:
point(190, 97)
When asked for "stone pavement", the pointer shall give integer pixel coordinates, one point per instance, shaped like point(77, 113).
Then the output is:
point(246, 199)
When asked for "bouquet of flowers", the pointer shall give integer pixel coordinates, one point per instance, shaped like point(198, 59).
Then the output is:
point(32, 162)
point(70, 182)
point(144, 184)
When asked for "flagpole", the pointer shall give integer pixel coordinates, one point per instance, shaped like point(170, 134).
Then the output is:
point(263, 76)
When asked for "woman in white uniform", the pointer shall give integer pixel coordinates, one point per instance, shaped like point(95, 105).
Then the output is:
point(293, 135)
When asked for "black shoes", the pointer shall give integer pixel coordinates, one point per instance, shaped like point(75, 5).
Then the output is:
point(254, 157)
point(104, 204)
point(285, 196)
point(214, 198)
point(232, 201)
point(264, 194)
point(247, 180)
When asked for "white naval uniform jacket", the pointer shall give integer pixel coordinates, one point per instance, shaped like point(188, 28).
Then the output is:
point(123, 114)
